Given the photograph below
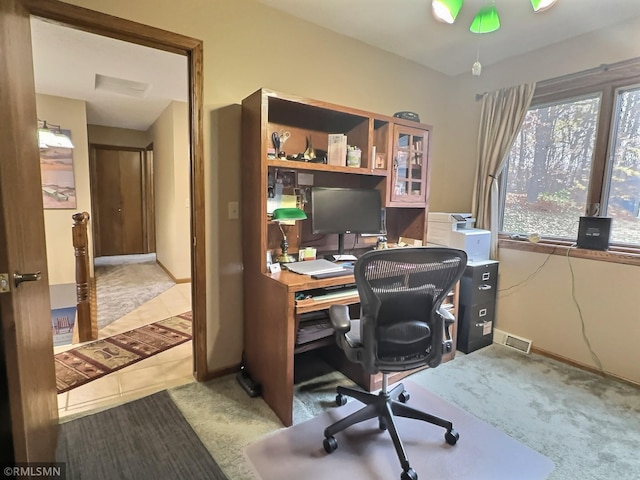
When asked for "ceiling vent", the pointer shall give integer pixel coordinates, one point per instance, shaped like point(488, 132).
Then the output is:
point(512, 341)
point(121, 86)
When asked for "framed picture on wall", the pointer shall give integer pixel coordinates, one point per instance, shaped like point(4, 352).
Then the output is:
point(58, 181)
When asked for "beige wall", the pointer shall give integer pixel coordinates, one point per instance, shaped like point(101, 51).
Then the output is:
point(170, 138)
point(241, 40)
point(117, 137)
point(70, 115)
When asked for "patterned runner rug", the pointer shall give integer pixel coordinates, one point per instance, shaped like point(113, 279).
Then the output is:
point(88, 362)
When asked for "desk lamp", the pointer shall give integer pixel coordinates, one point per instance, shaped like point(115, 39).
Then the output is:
point(286, 216)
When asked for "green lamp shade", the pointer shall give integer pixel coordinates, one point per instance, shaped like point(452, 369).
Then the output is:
point(446, 10)
point(288, 214)
point(541, 5)
point(487, 20)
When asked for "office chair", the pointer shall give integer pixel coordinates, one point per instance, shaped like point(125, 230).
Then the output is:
point(402, 327)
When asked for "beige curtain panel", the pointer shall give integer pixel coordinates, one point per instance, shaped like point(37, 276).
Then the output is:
point(503, 112)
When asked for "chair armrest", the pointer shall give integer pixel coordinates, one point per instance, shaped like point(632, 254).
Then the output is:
point(340, 320)
point(449, 319)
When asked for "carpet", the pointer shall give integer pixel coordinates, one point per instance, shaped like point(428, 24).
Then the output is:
point(482, 453)
point(123, 283)
point(144, 439)
point(93, 360)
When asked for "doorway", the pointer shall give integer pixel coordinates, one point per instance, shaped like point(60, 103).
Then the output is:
point(127, 282)
point(32, 419)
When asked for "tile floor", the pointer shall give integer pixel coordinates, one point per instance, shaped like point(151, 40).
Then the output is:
point(167, 369)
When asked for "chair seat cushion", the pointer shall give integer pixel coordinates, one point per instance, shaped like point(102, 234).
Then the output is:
point(401, 342)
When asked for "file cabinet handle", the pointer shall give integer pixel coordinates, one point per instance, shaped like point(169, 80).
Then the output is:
point(484, 286)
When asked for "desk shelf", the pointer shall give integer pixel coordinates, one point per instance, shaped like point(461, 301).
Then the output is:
point(311, 305)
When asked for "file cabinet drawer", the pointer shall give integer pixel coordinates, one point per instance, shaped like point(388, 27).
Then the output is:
point(475, 326)
point(479, 283)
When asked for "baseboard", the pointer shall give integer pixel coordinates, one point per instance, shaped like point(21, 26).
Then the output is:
point(210, 375)
point(582, 366)
point(175, 280)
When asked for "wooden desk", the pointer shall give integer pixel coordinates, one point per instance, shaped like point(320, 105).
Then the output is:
point(273, 316)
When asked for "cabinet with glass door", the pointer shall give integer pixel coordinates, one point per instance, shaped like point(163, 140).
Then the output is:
point(408, 185)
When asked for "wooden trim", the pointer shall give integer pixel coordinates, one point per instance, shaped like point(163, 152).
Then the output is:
point(581, 366)
point(221, 372)
point(133, 32)
point(198, 213)
point(166, 270)
point(83, 285)
point(622, 255)
point(109, 26)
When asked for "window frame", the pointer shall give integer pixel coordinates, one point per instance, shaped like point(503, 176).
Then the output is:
point(604, 81)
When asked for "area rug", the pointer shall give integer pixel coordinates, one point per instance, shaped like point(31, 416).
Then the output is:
point(88, 362)
point(144, 439)
point(482, 453)
point(123, 286)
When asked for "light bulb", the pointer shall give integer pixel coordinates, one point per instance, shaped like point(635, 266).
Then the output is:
point(476, 69)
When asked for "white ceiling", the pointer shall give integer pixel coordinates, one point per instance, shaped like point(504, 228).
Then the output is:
point(67, 60)
point(408, 29)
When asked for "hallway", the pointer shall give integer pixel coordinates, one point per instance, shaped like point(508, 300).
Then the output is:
point(167, 369)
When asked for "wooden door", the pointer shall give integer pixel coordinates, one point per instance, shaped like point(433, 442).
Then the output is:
point(25, 311)
point(117, 185)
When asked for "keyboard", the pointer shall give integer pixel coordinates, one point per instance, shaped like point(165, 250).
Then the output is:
point(341, 293)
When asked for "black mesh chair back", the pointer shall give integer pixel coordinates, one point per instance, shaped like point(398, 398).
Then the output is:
point(400, 292)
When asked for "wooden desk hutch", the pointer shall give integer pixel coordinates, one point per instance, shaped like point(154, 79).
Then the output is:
point(395, 161)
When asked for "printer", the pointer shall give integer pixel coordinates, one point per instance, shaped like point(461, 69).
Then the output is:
point(456, 230)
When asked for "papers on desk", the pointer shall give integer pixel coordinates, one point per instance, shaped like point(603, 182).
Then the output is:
point(314, 267)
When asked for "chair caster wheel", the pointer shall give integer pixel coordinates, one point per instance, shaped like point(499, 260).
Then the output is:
point(330, 444)
point(451, 437)
point(382, 424)
point(341, 400)
point(409, 475)
point(404, 396)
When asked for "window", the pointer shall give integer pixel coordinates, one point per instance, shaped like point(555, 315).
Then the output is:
point(577, 153)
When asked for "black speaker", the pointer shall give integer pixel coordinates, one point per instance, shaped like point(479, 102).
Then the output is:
point(594, 232)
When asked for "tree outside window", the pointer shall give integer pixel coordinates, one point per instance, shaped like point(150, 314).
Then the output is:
point(574, 155)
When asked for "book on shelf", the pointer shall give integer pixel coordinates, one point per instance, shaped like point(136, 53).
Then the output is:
point(337, 149)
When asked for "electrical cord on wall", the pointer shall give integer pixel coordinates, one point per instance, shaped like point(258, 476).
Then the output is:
point(594, 356)
point(537, 270)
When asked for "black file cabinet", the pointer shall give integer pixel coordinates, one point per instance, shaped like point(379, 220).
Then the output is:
point(477, 305)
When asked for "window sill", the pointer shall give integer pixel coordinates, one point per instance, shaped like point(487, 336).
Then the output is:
point(627, 256)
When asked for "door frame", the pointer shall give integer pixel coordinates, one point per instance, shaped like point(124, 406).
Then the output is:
point(114, 27)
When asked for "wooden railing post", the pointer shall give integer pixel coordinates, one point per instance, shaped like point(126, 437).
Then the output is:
point(83, 292)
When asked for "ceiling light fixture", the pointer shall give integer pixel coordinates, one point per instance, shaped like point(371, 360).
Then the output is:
point(542, 5)
point(486, 20)
point(446, 11)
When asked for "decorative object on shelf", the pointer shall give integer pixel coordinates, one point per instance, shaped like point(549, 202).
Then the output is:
point(309, 153)
point(286, 216)
point(414, 117)
point(354, 156)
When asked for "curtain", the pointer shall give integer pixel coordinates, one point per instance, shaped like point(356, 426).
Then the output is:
point(503, 112)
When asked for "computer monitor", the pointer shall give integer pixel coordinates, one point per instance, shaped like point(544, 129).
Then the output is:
point(345, 210)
